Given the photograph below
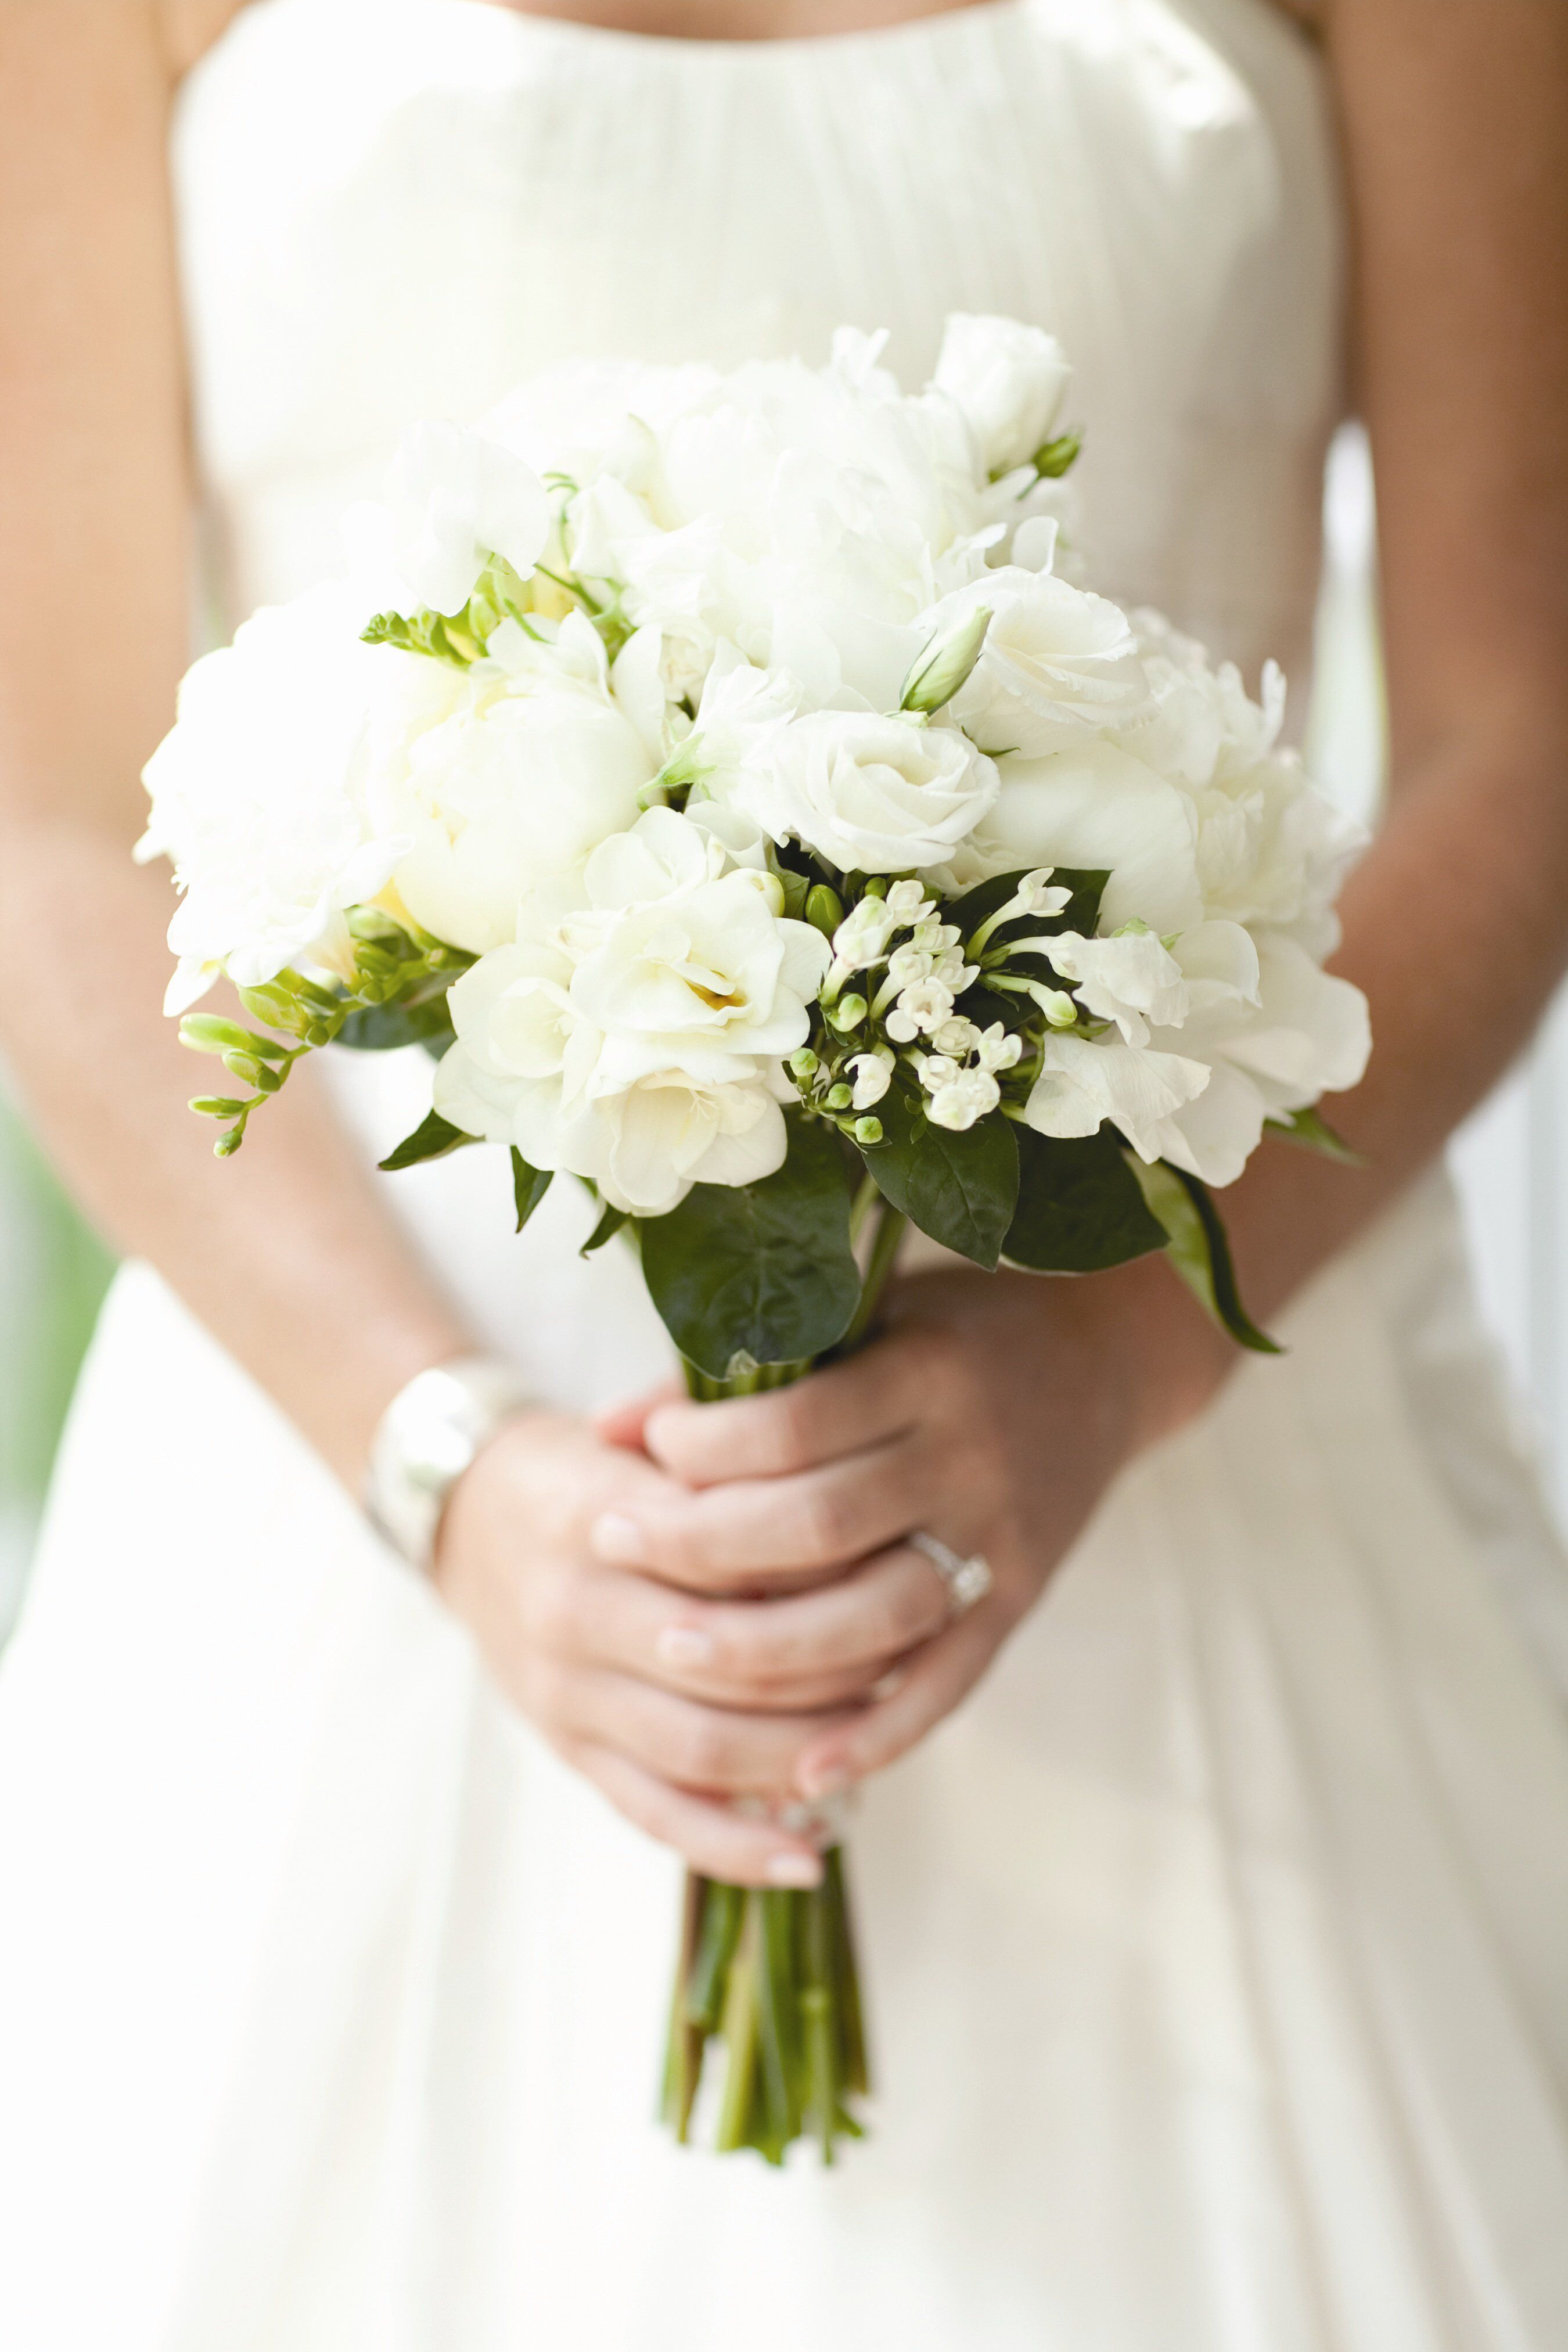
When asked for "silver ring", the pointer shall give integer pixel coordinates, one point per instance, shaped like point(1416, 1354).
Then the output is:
point(967, 1580)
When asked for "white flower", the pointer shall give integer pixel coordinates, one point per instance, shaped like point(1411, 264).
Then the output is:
point(922, 1008)
point(1131, 979)
point(1095, 808)
point(872, 794)
point(1056, 663)
point(634, 1034)
point(1084, 1082)
point(510, 787)
point(957, 1101)
point(1007, 380)
point(907, 901)
point(862, 938)
point(454, 499)
point(872, 1078)
point(255, 795)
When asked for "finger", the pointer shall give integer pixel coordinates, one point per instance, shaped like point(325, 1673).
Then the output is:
point(931, 1688)
point(711, 1750)
point(723, 1845)
point(796, 1652)
point(795, 1529)
point(877, 1394)
point(624, 1424)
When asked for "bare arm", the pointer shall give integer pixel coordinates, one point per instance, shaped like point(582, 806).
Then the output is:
point(290, 1258)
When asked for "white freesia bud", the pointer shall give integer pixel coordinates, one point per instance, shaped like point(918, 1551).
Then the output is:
point(1058, 1008)
point(942, 668)
point(872, 1078)
point(1007, 380)
point(454, 499)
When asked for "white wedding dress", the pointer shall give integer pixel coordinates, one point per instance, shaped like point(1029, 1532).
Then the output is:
point(1218, 1949)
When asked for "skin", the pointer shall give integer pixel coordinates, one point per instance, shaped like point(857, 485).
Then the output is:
point(695, 1602)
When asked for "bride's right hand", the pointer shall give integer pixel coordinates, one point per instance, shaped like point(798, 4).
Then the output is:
point(606, 1661)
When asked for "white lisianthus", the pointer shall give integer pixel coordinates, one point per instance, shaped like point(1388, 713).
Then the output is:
point(1084, 1082)
point(454, 499)
point(868, 793)
point(1058, 662)
point(255, 795)
point(634, 1034)
point(517, 778)
point(1008, 381)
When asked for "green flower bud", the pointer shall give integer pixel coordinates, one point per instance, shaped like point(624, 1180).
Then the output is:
point(229, 1143)
point(243, 1066)
point(206, 1033)
point(867, 1131)
point(216, 1106)
point(803, 1065)
point(847, 1013)
point(824, 909)
point(938, 672)
point(839, 1097)
point(1053, 458)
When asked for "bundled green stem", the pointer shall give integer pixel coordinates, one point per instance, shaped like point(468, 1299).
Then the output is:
point(772, 1975)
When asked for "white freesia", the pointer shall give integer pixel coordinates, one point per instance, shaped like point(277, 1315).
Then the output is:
point(869, 793)
point(1057, 664)
point(254, 800)
point(1008, 381)
point(454, 499)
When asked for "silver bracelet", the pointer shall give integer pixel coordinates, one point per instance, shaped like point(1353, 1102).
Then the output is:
point(426, 1440)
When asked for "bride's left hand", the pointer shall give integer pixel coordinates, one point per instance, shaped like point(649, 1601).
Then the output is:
point(993, 1413)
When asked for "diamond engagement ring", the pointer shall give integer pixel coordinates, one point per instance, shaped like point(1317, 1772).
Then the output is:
point(967, 1580)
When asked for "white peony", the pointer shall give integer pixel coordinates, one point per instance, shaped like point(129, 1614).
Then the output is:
point(454, 499)
point(868, 793)
point(1007, 380)
point(633, 1035)
point(254, 800)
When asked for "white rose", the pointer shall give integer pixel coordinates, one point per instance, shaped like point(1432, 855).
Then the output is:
point(872, 794)
point(254, 795)
point(1007, 380)
point(454, 499)
point(513, 788)
point(1056, 663)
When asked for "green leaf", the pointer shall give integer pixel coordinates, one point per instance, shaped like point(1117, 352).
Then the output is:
point(960, 1189)
point(608, 1226)
point(529, 1186)
point(382, 1028)
point(763, 1271)
point(1312, 1133)
point(1080, 1208)
point(431, 1140)
point(1198, 1249)
point(1081, 914)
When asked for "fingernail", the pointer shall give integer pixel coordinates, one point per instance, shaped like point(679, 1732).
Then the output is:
point(617, 1537)
point(794, 1870)
point(683, 1645)
point(823, 1779)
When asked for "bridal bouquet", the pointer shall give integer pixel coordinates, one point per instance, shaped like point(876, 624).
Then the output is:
point(731, 780)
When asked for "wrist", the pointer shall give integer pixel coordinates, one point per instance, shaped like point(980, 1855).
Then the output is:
point(428, 1436)
point(1173, 1359)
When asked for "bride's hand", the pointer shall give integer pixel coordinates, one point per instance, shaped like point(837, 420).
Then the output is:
point(671, 1703)
point(993, 1414)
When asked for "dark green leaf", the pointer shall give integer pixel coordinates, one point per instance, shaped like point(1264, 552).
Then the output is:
point(1081, 914)
point(960, 1189)
point(1080, 1208)
point(761, 1272)
point(1198, 1249)
point(1314, 1133)
point(382, 1028)
point(431, 1140)
point(529, 1186)
point(608, 1226)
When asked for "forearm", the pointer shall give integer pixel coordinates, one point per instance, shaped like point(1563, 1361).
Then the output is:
point(286, 1252)
point(1456, 924)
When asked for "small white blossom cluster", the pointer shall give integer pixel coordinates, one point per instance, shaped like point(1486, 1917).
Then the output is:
point(676, 677)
